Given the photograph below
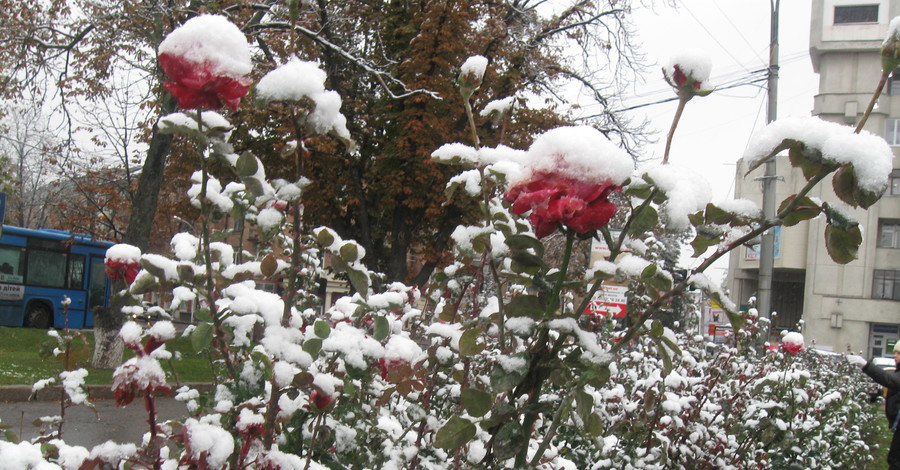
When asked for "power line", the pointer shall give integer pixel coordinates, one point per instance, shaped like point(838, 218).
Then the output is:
point(643, 105)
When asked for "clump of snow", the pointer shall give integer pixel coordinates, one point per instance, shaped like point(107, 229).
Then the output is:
point(214, 193)
point(793, 338)
point(474, 67)
point(123, 253)
point(269, 219)
point(162, 331)
point(131, 333)
point(402, 348)
point(498, 106)
point(208, 120)
point(870, 156)
point(687, 192)
point(213, 41)
point(740, 207)
point(216, 442)
point(299, 79)
point(184, 245)
point(631, 265)
point(292, 81)
point(893, 32)
point(579, 152)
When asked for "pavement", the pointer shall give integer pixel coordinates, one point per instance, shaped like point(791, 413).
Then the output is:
point(83, 425)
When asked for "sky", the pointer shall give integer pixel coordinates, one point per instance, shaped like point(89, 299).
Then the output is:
point(714, 130)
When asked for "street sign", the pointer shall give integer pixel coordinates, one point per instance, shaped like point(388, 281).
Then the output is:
point(609, 300)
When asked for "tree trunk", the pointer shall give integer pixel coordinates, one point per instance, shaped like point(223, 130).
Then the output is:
point(108, 347)
point(107, 321)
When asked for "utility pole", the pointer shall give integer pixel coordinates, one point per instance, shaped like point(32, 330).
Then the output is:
point(767, 246)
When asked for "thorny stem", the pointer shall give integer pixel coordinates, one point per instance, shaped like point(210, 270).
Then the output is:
point(207, 257)
point(557, 418)
point(563, 270)
point(766, 225)
point(682, 101)
point(875, 96)
point(471, 117)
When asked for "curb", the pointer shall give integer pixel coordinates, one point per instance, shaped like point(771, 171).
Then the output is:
point(22, 393)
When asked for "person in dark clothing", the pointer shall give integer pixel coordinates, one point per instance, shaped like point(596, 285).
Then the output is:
point(891, 380)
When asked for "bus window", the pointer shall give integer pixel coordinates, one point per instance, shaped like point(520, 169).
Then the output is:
point(75, 276)
point(11, 263)
point(46, 268)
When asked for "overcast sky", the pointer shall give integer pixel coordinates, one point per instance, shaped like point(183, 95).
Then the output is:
point(715, 129)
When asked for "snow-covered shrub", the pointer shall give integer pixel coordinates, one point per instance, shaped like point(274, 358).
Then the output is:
point(493, 364)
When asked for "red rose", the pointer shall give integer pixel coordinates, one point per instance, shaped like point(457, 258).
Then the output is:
point(388, 365)
point(198, 85)
point(792, 348)
point(554, 199)
point(122, 270)
point(320, 400)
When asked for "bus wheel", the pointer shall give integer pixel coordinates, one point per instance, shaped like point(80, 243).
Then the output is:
point(38, 316)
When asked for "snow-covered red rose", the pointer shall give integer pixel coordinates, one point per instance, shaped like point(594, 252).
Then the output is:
point(207, 59)
point(569, 175)
point(123, 262)
point(141, 374)
point(688, 72)
point(792, 342)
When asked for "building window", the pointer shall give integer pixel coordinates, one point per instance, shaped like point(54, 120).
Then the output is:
point(850, 14)
point(892, 131)
point(894, 184)
point(886, 284)
point(889, 234)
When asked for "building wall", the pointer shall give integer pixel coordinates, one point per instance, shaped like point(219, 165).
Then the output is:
point(839, 312)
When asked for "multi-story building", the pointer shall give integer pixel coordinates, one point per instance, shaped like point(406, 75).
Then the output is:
point(855, 306)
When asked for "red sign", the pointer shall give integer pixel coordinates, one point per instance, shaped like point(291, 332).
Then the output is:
point(598, 307)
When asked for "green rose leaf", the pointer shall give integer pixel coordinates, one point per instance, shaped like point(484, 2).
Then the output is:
point(524, 242)
point(525, 306)
point(202, 336)
point(594, 425)
point(584, 405)
point(476, 402)
point(382, 328)
point(509, 441)
point(321, 329)
point(805, 209)
point(644, 221)
point(312, 346)
point(842, 244)
point(468, 343)
point(717, 215)
point(503, 380)
point(246, 165)
point(455, 433)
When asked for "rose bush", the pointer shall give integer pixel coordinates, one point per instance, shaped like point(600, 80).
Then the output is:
point(493, 364)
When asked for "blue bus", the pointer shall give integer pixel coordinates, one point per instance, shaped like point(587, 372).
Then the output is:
point(39, 268)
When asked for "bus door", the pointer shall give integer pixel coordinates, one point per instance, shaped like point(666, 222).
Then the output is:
point(98, 289)
point(75, 271)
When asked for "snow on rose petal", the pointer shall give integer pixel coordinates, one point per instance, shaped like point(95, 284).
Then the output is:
point(206, 59)
point(688, 72)
point(792, 342)
point(123, 262)
point(569, 174)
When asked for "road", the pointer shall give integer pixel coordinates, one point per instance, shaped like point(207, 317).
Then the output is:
point(84, 427)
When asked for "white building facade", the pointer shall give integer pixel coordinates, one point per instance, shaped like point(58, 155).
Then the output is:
point(852, 307)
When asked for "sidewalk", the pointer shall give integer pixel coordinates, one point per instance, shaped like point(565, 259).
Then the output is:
point(22, 393)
